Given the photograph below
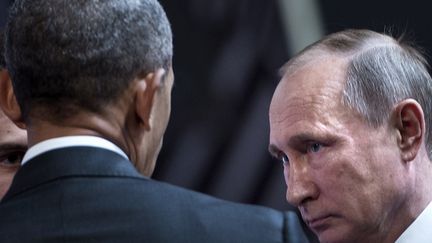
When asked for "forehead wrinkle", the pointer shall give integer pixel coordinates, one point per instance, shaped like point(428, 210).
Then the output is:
point(306, 101)
point(294, 107)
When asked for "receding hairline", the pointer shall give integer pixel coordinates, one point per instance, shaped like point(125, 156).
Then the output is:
point(339, 45)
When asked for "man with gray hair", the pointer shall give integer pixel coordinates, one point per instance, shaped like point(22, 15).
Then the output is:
point(350, 121)
point(91, 83)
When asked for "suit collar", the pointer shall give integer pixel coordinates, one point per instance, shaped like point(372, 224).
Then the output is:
point(70, 162)
point(70, 141)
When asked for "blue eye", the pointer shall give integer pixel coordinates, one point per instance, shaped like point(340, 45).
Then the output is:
point(315, 147)
point(285, 160)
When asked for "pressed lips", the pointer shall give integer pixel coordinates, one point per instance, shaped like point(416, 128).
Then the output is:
point(319, 223)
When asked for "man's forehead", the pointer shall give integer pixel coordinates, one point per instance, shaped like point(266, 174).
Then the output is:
point(3, 119)
point(8, 130)
point(313, 59)
point(319, 69)
point(291, 109)
point(309, 95)
point(314, 82)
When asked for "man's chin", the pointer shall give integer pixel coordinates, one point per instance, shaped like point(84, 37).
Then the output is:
point(335, 235)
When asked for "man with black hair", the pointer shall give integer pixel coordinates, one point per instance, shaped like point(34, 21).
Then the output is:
point(13, 140)
point(13, 144)
point(91, 82)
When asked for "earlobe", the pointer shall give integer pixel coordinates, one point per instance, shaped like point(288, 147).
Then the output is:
point(410, 123)
point(8, 101)
point(146, 89)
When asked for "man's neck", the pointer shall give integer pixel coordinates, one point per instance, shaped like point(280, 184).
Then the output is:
point(38, 131)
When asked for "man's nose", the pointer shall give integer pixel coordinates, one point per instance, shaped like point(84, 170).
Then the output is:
point(300, 184)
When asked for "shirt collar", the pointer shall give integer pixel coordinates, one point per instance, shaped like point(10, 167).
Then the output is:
point(420, 230)
point(70, 141)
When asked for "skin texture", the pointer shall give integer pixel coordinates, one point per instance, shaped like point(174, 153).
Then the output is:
point(13, 144)
point(350, 181)
point(148, 148)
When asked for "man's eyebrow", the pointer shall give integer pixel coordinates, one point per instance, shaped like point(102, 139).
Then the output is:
point(12, 146)
point(293, 141)
point(302, 137)
point(273, 150)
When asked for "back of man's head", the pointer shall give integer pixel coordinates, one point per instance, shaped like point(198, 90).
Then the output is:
point(381, 72)
point(69, 55)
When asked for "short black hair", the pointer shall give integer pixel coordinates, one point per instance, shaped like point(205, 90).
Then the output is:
point(69, 54)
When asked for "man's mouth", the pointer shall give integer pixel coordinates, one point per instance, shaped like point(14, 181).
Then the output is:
point(319, 223)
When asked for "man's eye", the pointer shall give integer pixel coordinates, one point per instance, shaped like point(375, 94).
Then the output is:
point(12, 159)
point(284, 159)
point(315, 147)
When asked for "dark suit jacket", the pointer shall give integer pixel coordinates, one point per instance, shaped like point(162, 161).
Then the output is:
point(84, 194)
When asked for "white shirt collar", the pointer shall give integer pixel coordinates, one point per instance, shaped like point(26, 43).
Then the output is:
point(420, 230)
point(70, 141)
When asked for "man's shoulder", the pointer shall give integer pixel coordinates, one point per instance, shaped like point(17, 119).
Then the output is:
point(97, 198)
point(140, 207)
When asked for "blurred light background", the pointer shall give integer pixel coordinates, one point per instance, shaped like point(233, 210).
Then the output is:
point(227, 56)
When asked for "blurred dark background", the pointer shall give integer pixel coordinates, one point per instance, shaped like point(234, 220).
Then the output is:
point(227, 56)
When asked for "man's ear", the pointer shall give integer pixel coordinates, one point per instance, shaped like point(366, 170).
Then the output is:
point(144, 96)
point(8, 101)
point(409, 119)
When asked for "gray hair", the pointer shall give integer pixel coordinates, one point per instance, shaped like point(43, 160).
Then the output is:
point(382, 71)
